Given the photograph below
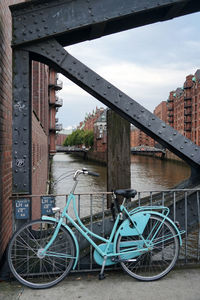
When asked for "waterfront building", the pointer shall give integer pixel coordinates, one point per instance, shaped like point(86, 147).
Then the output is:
point(184, 108)
point(43, 126)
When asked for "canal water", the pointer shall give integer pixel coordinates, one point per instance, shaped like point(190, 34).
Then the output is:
point(147, 173)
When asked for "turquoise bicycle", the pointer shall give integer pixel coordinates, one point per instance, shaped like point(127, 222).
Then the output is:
point(144, 240)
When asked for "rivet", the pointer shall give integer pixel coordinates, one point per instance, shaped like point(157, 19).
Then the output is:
point(35, 22)
point(127, 108)
point(24, 156)
point(24, 128)
point(24, 86)
point(45, 27)
point(160, 132)
point(120, 95)
point(164, 126)
point(15, 185)
point(174, 133)
point(43, 20)
point(24, 142)
point(108, 86)
point(185, 142)
point(196, 149)
point(104, 93)
point(170, 140)
point(142, 110)
point(30, 31)
point(149, 125)
point(16, 143)
point(86, 70)
point(93, 85)
point(24, 184)
point(116, 101)
point(181, 147)
point(57, 59)
point(192, 155)
point(97, 78)
point(153, 118)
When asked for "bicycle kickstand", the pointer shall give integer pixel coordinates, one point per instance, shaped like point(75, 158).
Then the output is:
point(101, 274)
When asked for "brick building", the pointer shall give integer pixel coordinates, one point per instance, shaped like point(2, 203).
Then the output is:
point(90, 119)
point(5, 123)
point(184, 108)
point(100, 133)
point(42, 123)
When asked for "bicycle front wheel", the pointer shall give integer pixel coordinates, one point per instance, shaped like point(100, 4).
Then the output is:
point(27, 262)
point(161, 257)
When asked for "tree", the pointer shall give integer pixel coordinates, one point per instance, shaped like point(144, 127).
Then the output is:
point(80, 137)
point(89, 138)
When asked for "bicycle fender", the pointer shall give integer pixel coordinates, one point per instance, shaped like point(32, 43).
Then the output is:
point(72, 234)
point(171, 223)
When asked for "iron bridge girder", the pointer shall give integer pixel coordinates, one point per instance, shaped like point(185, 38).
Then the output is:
point(52, 53)
point(73, 21)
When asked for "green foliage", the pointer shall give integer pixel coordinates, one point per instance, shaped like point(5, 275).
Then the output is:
point(89, 138)
point(80, 137)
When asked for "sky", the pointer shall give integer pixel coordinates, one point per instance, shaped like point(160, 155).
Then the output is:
point(146, 63)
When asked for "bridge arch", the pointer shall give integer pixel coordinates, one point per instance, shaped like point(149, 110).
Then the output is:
point(49, 26)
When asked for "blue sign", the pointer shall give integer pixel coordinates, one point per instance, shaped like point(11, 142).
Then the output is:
point(22, 209)
point(47, 203)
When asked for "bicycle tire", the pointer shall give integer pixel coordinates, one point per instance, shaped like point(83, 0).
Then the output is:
point(160, 258)
point(26, 262)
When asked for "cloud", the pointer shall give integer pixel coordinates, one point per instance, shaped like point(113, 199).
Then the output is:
point(146, 63)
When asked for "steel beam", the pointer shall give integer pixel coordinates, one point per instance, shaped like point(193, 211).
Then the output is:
point(22, 159)
point(52, 53)
point(73, 21)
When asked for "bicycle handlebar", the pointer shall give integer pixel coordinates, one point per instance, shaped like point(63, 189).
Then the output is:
point(85, 172)
point(93, 174)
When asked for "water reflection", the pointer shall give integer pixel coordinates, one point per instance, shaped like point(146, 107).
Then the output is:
point(148, 173)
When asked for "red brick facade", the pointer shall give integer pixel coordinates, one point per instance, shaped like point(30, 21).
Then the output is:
point(40, 126)
point(184, 108)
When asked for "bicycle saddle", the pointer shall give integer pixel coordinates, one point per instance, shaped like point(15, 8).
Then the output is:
point(127, 193)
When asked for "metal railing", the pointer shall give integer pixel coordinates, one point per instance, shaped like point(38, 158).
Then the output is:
point(184, 207)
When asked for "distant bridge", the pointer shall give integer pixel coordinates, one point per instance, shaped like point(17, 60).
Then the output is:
point(147, 150)
point(70, 149)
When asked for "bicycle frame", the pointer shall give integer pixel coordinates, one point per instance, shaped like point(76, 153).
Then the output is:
point(108, 252)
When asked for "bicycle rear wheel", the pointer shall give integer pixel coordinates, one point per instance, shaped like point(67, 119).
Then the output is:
point(161, 256)
point(27, 262)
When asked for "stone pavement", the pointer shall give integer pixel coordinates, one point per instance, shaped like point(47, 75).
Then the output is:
point(181, 284)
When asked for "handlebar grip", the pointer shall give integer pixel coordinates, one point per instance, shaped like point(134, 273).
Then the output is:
point(93, 174)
